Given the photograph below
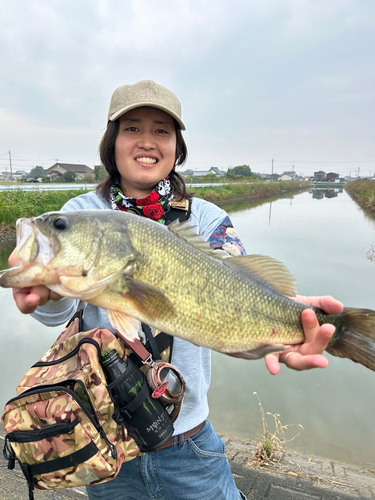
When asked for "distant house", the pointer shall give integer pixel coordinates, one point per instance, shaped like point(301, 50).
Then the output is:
point(319, 176)
point(201, 173)
point(58, 169)
point(291, 173)
point(288, 175)
point(17, 175)
point(332, 177)
point(269, 177)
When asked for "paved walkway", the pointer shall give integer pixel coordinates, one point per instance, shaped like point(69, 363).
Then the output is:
point(295, 477)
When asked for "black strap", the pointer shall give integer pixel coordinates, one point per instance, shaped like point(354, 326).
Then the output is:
point(152, 344)
point(163, 341)
point(75, 458)
point(77, 314)
point(120, 378)
point(177, 213)
point(137, 401)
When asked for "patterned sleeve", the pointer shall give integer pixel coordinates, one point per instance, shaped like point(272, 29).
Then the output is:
point(226, 241)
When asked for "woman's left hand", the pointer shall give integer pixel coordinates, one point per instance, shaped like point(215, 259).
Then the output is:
point(309, 354)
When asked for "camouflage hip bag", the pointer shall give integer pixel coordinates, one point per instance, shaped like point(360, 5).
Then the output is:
point(60, 426)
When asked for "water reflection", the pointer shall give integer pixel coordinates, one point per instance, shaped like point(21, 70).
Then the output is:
point(239, 206)
point(320, 193)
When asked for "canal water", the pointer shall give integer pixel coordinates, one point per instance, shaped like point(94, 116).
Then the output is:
point(323, 238)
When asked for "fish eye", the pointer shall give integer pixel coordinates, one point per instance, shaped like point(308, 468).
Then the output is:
point(61, 223)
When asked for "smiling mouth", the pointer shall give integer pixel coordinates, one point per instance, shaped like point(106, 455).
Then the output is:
point(147, 160)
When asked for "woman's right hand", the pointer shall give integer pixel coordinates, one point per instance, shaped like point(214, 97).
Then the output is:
point(29, 298)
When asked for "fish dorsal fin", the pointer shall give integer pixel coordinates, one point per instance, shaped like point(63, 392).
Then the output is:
point(270, 270)
point(187, 232)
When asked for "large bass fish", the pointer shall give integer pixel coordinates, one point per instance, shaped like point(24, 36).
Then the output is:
point(169, 278)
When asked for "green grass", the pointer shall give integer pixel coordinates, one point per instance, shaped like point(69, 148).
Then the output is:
point(363, 192)
point(17, 204)
point(246, 190)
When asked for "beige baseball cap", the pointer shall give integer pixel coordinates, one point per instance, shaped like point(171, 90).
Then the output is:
point(144, 93)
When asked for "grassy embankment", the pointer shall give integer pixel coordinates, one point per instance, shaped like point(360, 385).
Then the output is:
point(231, 192)
point(363, 192)
point(17, 204)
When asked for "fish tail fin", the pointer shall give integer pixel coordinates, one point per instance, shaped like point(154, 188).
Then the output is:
point(355, 337)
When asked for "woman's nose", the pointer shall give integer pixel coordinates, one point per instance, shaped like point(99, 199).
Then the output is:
point(146, 141)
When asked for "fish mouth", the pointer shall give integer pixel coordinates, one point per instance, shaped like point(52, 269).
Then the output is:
point(27, 247)
point(26, 252)
point(33, 245)
point(24, 230)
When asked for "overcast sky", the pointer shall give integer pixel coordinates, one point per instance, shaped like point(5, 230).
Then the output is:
point(292, 80)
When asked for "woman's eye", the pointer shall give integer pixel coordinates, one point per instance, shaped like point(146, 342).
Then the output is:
point(161, 131)
point(131, 129)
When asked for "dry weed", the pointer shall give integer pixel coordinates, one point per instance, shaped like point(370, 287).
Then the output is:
point(270, 449)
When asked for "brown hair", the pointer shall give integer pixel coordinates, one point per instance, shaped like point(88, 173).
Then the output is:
point(107, 155)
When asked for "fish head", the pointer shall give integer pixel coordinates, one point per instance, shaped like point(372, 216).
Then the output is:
point(65, 252)
point(30, 254)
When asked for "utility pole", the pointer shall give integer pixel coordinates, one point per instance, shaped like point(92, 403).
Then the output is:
point(10, 164)
point(272, 171)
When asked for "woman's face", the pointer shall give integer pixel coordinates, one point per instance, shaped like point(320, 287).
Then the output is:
point(145, 149)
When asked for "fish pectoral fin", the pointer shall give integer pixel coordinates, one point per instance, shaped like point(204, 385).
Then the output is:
point(126, 325)
point(270, 270)
point(258, 352)
point(150, 302)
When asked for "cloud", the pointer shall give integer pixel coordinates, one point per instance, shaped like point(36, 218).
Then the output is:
point(32, 142)
point(240, 69)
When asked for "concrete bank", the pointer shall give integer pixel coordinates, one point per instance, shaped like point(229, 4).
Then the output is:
point(294, 477)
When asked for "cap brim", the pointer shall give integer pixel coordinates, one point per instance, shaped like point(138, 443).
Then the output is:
point(124, 110)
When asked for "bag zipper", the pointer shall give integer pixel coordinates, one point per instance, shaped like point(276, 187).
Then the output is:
point(32, 436)
point(43, 433)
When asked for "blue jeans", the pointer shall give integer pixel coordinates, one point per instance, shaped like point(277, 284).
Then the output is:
point(191, 470)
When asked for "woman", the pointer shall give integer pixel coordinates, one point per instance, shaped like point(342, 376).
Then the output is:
point(140, 150)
